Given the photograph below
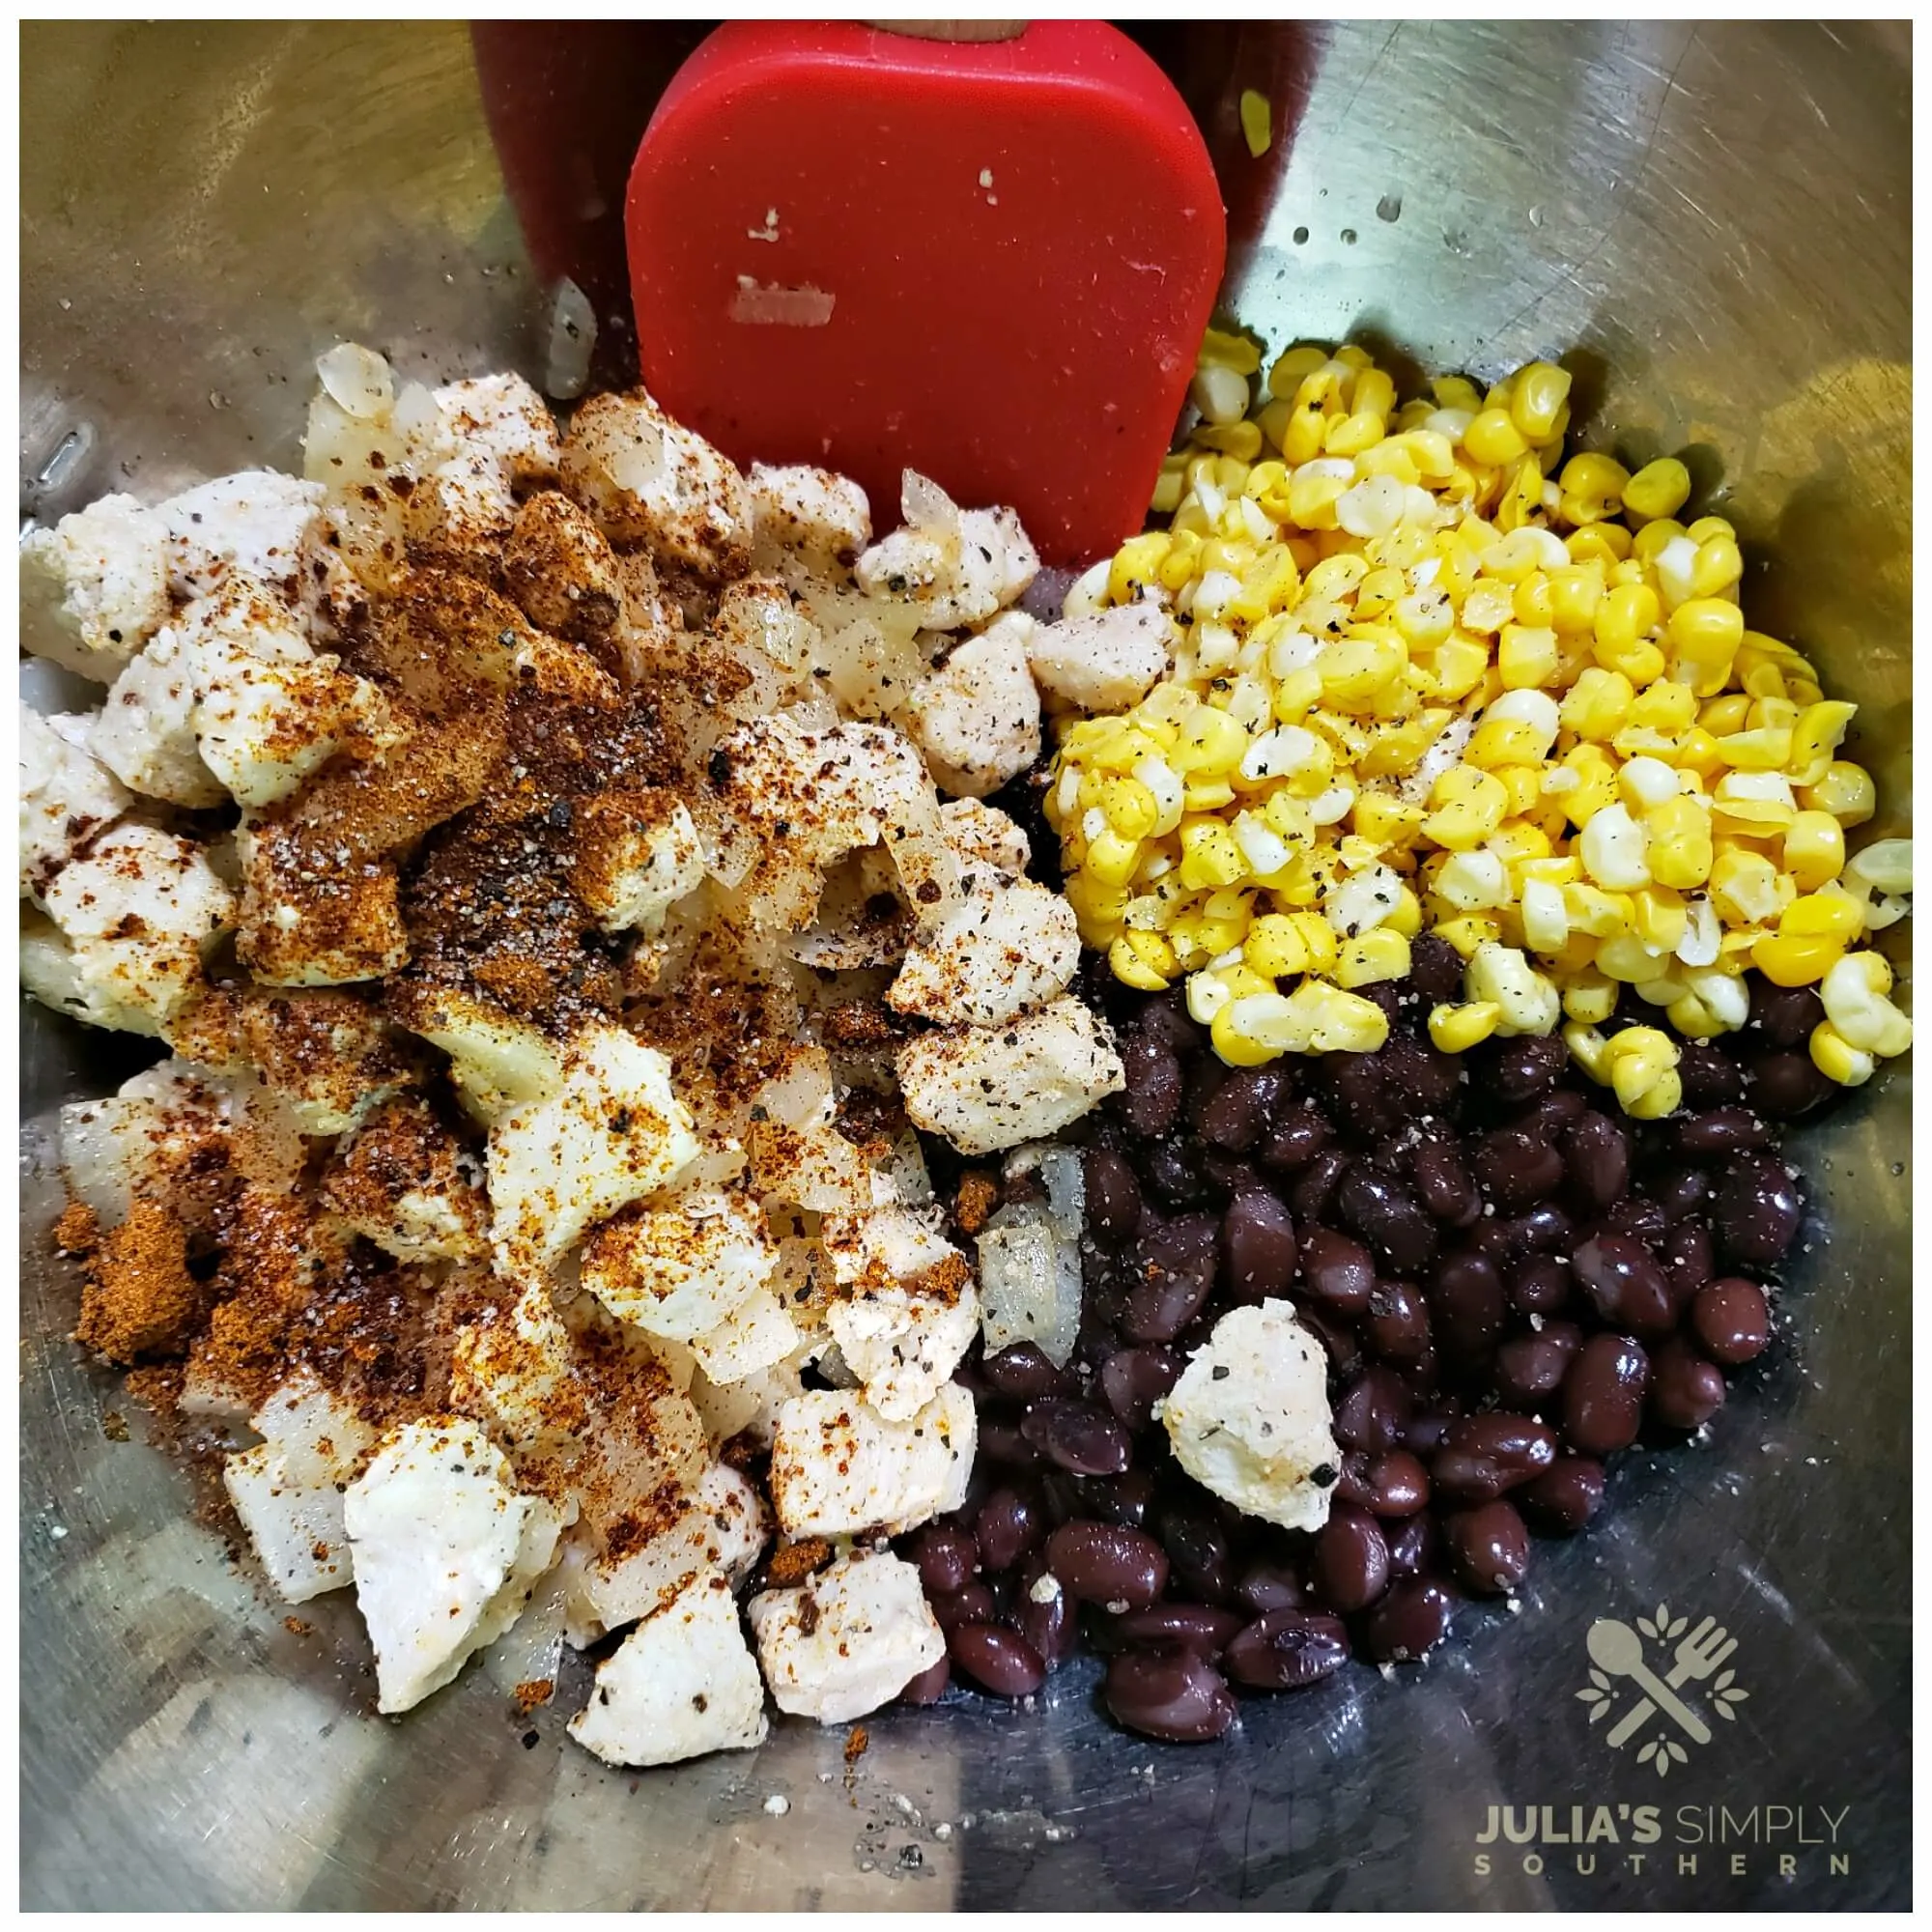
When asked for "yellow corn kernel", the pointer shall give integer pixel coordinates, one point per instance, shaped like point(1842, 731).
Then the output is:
point(1721, 716)
point(1761, 750)
point(1273, 421)
point(1293, 367)
point(1588, 1048)
point(1680, 851)
point(1222, 348)
point(1591, 910)
point(1264, 477)
point(1743, 888)
point(1372, 957)
point(1142, 960)
point(1098, 909)
point(1523, 494)
point(1817, 733)
point(1599, 545)
point(1211, 745)
point(1592, 487)
point(1574, 592)
point(1313, 492)
point(1845, 791)
point(1135, 564)
point(1660, 489)
point(1111, 860)
point(1209, 795)
point(1720, 562)
point(1589, 999)
point(1504, 741)
point(1788, 960)
point(1537, 398)
point(1772, 714)
point(1641, 661)
point(1210, 855)
point(1468, 932)
point(1406, 918)
point(1351, 435)
point(1628, 615)
point(1837, 1059)
point(1456, 1029)
point(1532, 603)
point(1814, 850)
point(1237, 1036)
point(1354, 670)
point(1130, 807)
point(1468, 806)
point(1659, 917)
point(1526, 657)
point(1456, 668)
point(1236, 439)
point(1275, 948)
point(1655, 1098)
point(1598, 705)
point(1835, 916)
point(1318, 937)
point(1494, 438)
point(1855, 992)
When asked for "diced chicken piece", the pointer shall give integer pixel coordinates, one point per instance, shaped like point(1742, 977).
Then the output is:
point(613, 1132)
point(683, 1683)
point(740, 1523)
point(1105, 661)
point(848, 1639)
point(260, 525)
point(404, 1182)
point(815, 1167)
point(288, 1492)
point(1006, 949)
point(862, 918)
point(815, 514)
point(1249, 1418)
point(680, 1268)
point(760, 622)
point(95, 589)
point(953, 566)
point(987, 1088)
point(983, 835)
point(839, 1469)
point(130, 923)
point(564, 575)
point(435, 1528)
point(460, 512)
point(648, 480)
point(755, 1337)
point(329, 1056)
point(175, 1135)
point(892, 1247)
point(67, 794)
point(301, 928)
point(146, 736)
point(977, 717)
point(635, 855)
point(749, 1406)
point(497, 1063)
point(503, 417)
point(903, 1348)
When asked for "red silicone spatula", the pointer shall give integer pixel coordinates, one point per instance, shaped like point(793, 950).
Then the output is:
point(990, 262)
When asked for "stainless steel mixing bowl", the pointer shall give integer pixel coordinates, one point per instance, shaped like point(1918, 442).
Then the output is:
point(1714, 220)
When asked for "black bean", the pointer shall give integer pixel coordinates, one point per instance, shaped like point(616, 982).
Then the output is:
point(1226, 1176)
point(1603, 1395)
point(1173, 1171)
point(1043, 1613)
point(1195, 1627)
point(1001, 1440)
point(929, 1686)
point(1154, 1084)
point(1784, 1015)
point(1541, 1286)
point(997, 1658)
point(1134, 1380)
point(1466, 1306)
point(1344, 1346)
point(1425, 1433)
point(1435, 970)
point(1531, 1368)
point(1553, 1115)
point(1341, 1273)
point(1169, 1693)
point(1786, 1084)
point(1515, 1168)
point(974, 1605)
point(1360, 1099)
point(1527, 1068)
point(1241, 1107)
point(1757, 1210)
point(1166, 1019)
point(1288, 1650)
point(1200, 1554)
point(1413, 1544)
point(1395, 1485)
point(1625, 1286)
point(1545, 1230)
point(1298, 1134)
point(1372, 1412)
point(1443, 1180)
point(947, 1559)
point(1640, 1217)
point(1561, 1501)
point(1104, 1563)
point(1483, 1454)
point(1689, 1257)
point(1270, 1583)
point(1314, 1188)
point(1175, 1266)
point(1428, 1080)
point(1720, 1132)
point(1731, 1320)
point(1257, 1247)
point(1488, 1548)
point(1011, 1522)
point(1685, 1389)
point(1709, 1076)
point(1022, 1371)
point(1680, 1192)
point(1077, 1436)
point(1597, 1157)
point(1388, 1216)
point(1206, 1075)
point(1113, 1197)
point(1350, 1566)
point(1396, 1326)
point(1126, 1498)
point(1408, 1622)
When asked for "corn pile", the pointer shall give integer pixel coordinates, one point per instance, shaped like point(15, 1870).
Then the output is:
point(1430, 675)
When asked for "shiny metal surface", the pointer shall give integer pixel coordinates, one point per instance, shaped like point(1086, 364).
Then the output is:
point(1716, 219)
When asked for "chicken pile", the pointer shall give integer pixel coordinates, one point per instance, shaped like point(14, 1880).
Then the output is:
point(557, 867)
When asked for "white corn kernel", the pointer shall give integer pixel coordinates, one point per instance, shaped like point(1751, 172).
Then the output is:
point(1613, 847)
point(1291, 652)
point(1646, 782)
point(1333, 805)
point(1263, 851)
point(1215, 591)
point(1545, 923)
point(1281, 754)
point(1169, 792)
point(1535, 708)
point(1855, 994)
point(1474, 881)
point(1362, 900)
point(1702, 933)
point(1886, 867)
point(1087, 592)
point(1724, 994)
point(1207, 995)
point(1498, 973)
point(1221, 395)
point(1373, 508)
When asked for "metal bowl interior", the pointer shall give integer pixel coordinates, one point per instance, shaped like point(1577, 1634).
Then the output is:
point(1712, 222)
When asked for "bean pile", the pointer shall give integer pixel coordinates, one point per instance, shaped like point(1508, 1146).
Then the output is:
point(1512, 1282)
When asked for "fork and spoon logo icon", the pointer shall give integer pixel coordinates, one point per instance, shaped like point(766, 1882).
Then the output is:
point(1617, 1651)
